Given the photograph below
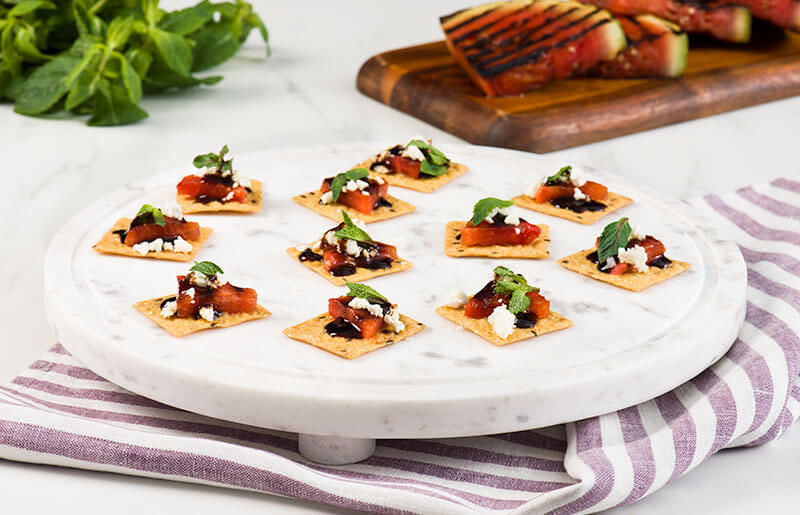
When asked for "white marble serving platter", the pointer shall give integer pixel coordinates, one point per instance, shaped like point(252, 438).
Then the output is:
point(624, 348)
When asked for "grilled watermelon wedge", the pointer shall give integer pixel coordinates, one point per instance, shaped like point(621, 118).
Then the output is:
point(656, 48)
point(509, 48)
point(778, 12)
point(725, 22)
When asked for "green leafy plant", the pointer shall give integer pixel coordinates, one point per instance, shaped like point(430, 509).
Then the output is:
point(351, 231)
point(509, 282)
point(563, 175)
point(435, 163)
point(154, 212)
point(215, 161)
point(485, 206)
point(98, 57)
point(615, 236)
point(206, 268)
point(343, 178)
point(363, 291)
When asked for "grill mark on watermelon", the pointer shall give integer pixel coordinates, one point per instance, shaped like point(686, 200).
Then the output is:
point(469, 20)
point(473, 32)
point(523, 36)
point(500, 68)
point(493, 35)
point(488, 71)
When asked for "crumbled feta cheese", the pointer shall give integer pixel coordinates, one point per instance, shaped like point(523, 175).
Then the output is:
point(180, 245)
point(142, 248)
point(637, 233)
point(239, 179)
point(636, 256)
point(413, 152)
point(379, 158)
point(380, 180)
point(364, 192)
point(326, 198)
point(502, 321)
point(331, 238)
point(228, 197)
point(610, 263)
point(393, 319)
point(509, 217)
point(356, 185)
point(207, 313)
point(198, 279)
point(190, 293)
point(360, 303)
point(351, 247)
point(456, 299)
point(169, 308)
point(207, 170)
point(173, 211)
point(579, 195)
point(576, 177)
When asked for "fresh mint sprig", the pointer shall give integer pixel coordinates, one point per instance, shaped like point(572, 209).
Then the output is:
point(343, 178)
point(351, 231)
point(563, 175)
point(515, 284)
point(97, 57)
point(215, 161)
point(485, 206)
point(206, 268)
point(158, 216)
point(614, 237)
point(365, 292)
point(435, 162)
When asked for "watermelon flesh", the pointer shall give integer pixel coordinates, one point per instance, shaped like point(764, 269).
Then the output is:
point(509, 48)
point(722, 21)
point(656, 48)
point(778, 12)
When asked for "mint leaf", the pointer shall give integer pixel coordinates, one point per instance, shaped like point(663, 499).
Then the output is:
point(517, 286)
point(363, 291)
point(435, 163)
point(158, 216)
point(206, 268)
point(562, 175)
point(45, 86)
point(485, 206)
point(174, 50)
point(341, 179)
point(614, 237)
point(351, 231)
point(112, 106)
point(213, 160)
point(503, 271)
point(519, 302)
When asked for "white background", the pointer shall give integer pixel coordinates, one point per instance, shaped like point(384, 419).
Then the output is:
point(305, 94)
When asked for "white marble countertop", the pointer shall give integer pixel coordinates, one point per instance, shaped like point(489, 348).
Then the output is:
point(306, 94)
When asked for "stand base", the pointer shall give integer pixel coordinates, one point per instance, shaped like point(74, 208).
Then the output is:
point(335, 450)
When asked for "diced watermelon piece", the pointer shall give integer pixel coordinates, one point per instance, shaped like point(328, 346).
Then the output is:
point(225, 299)
point(485, 234)
point(778, 12)
point(509, 48)
point(652, 246)
point(356, 199)
point(208, 188)
point(172, 228)
point(539, 305)
point(725, 22)
point(361, 318)
point(593, 190)
point(486, 300)
point(404, 165)
point(656, 48)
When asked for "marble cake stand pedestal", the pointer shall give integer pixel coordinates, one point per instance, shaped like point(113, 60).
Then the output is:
point(625, 347)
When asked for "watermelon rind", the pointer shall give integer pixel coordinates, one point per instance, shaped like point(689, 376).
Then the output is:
point(742, 26)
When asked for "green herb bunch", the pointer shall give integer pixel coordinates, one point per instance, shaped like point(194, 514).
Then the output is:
point(97, 57)
point(509, 282)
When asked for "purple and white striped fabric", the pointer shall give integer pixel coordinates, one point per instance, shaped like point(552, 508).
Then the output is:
point(58, 412)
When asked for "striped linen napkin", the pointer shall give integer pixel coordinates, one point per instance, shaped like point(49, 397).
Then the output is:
point(58, 412)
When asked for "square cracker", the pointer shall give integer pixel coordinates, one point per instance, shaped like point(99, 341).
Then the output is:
point(426, 185)
point(182, 326)
point(482, 327)
point(313, 332)
point(111, 244)
point(361, 274)
point(630, 280)
point(333, 211)
point(613, 202)
point(253, 204)
point(535, 250)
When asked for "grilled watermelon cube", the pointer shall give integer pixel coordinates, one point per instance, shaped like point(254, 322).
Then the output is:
point(722, 21)
point(656, 48)
point(509, 48)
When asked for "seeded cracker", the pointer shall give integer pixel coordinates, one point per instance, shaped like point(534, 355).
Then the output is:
point(361, 274)
point(313, 332)
point(630, 280)
point(535, 250)
point(182, 326)
point(332, 211)
point(111, 244)
point(613, 202)
point(253, 204)
point(482, 327)
point(426, 185)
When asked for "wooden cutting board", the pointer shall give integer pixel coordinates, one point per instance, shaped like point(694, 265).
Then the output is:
point(425, 81)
